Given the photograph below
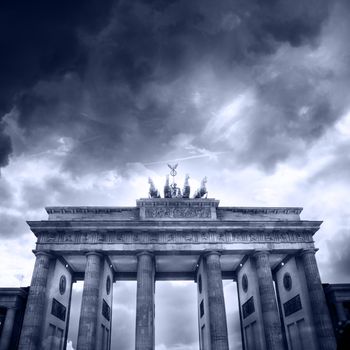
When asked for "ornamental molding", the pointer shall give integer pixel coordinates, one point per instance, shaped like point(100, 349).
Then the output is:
point(225, 237)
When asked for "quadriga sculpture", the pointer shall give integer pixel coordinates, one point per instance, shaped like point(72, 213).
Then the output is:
point(167, 188)
point(186, 190)
point(153, 192)
point(202, 191)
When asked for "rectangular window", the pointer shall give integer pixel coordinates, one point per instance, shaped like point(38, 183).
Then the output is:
point(248, 307)
point(291, 306)
point(201, 308)
point(58, 310)
point(106, 310)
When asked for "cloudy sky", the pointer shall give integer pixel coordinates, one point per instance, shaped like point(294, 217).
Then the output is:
point(95, 96)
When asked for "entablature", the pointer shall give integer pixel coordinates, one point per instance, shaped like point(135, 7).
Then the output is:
point(169, 209)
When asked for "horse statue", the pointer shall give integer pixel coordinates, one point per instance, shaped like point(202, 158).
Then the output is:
point(167, 188)
point(186, 190)
point(175, 191)
point(202, 191)
point(153, 192)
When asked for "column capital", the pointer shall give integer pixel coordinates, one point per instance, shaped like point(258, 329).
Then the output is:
point(307, 251)
point(258, 252)
point(43, 253)
point(211, 252)
point(13, 308)
point(145, 252)
point(96, 253)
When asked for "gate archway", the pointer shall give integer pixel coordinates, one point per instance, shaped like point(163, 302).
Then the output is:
point(179, 238)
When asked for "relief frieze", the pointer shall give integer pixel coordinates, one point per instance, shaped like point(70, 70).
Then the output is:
point(177, 237)
point(177, 213)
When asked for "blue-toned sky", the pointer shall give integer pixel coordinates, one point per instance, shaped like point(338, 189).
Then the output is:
point(95, 96)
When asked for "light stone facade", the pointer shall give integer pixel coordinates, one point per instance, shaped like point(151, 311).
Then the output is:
point(269, 252)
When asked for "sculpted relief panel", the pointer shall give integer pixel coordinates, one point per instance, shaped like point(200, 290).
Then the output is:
point(177, 213)
point(227, 237)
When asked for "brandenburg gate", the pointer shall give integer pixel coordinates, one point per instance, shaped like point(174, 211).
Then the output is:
point(268, 251)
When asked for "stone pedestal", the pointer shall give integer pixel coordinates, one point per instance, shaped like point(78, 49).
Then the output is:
point(216, 303)
point(7, 329)
point(89, 304)
point(34, 314)
point(145, 302)
point(270, 316)
point(322, 320)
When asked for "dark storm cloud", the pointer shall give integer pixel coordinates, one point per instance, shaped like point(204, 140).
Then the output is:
point(39, 40)
point(116, 78)
point(293, 113)
point(5, 146)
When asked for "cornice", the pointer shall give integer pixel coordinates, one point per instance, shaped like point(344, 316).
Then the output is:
point(88, 210)
point(175, 224)
point(167, 226)
point(262, 210)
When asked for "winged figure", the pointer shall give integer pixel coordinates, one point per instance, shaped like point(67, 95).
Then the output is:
point(173, 167)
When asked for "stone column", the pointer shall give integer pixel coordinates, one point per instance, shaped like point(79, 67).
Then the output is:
point(145, 302)
point(90, 303)
point(270, 316)
point(216, 303)
point(34, 314)
point(340, 311)
point(7, 329)
point(322, 320)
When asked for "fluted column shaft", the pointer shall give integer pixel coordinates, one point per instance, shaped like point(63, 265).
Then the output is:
point(90, 302)
point(322, 320)
point(145, 302)
point(270, 316)
point(216, 303)
point(340, 311)
point(7, 330)
point(33, 318)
